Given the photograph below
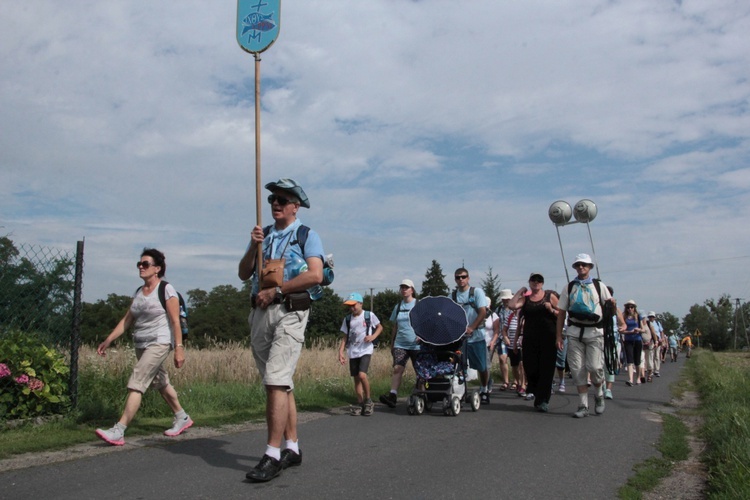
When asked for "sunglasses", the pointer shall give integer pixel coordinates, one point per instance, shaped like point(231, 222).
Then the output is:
point(629, 307)
point(144, 264)
point(281, 200)
point(536, 280)
point(404, 287)
point(462, 277)
point(579, 264)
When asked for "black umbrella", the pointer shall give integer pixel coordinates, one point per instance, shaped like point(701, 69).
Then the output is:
point(438, 320)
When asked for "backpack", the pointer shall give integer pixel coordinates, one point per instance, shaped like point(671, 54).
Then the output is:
point(368, 328)
point(183, 307)
point(471, 301)
point(302, 232)
point(582, 303)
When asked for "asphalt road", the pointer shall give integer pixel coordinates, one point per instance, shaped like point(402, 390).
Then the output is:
point(504, 450)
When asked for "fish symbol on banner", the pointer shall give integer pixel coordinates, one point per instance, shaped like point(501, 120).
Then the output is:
point(257, 21)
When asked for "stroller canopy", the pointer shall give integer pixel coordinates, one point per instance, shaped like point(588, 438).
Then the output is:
point(438, 320)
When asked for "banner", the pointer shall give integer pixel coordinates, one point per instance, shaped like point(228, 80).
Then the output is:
point(257, 24)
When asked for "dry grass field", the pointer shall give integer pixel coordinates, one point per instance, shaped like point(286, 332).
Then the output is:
point(233, 363)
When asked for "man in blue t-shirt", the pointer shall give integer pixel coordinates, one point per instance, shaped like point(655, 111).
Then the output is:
point(474, 302)
point(279, 317)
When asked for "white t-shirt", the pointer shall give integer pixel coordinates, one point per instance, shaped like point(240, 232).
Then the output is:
point(357, 347)
point(151, 324)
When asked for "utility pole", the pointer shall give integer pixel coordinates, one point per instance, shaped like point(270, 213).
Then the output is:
point(739, 316)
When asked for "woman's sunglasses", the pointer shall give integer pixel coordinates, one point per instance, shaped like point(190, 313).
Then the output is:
point(143, 264)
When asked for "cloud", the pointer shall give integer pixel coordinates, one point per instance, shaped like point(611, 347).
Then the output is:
point(420, 131)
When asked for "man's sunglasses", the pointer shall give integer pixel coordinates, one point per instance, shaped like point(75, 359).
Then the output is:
point(144, 264)
point(461, 276)
point(281, 200)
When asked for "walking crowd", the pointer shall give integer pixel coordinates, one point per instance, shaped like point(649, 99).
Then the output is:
point(540, 337)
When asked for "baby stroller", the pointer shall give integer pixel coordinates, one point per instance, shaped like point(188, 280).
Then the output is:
point(441, 365)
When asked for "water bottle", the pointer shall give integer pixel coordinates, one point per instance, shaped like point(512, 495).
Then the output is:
point(300, 266)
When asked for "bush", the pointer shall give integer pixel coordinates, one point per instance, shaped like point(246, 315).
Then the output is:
point(33, 377)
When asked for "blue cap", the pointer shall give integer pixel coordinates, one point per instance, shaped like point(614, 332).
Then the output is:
point(353, 298)
point(292, 187)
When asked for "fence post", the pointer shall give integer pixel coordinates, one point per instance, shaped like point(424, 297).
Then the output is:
point(76, 330)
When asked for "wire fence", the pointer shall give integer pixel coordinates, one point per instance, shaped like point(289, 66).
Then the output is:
point(40, 321)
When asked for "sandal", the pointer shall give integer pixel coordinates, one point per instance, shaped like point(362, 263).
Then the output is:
point(513, 386)
point(503, 386)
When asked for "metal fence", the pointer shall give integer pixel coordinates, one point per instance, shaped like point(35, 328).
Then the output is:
point(40, 299)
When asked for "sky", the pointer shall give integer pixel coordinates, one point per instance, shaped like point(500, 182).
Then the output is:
point(420, 131)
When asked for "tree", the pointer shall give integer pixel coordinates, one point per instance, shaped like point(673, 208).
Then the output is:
point(434, 283)
point(219, 316)
point(491, 287)
point(383, 304)
point(36, 295)
point(325, 317)
point(99, 319)
point(670, 322)
point(713, 320)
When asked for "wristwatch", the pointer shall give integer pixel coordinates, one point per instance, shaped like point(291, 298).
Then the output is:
point(279, 295)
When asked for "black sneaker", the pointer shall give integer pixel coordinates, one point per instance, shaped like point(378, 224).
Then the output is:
point(484, 398)
point(389, 399)
point(267, 469)
point(290, 459)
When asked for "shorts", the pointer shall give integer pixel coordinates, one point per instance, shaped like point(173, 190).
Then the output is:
point(477, 352)
point(149, 369)
point(277, 337)
point(586, 357)
point(359, 365)
point(401, 356)
point(515, 357)
point(502, 349)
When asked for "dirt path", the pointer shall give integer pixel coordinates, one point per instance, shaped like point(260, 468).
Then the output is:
point(688, 478)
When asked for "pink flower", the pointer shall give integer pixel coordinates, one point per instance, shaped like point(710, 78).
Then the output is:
point(4, 370)
point(23, 379)
point(35, 384)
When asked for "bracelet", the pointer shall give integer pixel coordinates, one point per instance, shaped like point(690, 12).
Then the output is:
point(179, 345)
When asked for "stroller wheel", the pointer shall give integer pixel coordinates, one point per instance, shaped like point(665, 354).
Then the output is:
point(411, 408)
point(446, 405)
point(419, 405)
point(475, 401)
point(455, 405)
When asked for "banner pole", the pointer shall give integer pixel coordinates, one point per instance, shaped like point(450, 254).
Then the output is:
point(258, 181)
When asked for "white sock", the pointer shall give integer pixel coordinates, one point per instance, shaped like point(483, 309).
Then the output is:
point(180, 415)
point(394, 392)
point(293, 446)
point(120, 426)
point(584, 399)
point(273, 452)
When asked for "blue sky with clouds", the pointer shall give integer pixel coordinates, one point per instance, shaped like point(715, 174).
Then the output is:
point(420, 130)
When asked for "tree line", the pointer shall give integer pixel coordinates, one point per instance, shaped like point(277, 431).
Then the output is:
point(37, 297)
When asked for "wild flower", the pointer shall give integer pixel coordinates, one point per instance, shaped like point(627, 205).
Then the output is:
point(4, 370)
point(22, 379)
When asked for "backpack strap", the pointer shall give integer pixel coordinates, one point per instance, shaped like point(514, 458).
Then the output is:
point(302, 232)
point(471, 301)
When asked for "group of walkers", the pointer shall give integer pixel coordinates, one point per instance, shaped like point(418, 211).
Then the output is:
point(538, 332)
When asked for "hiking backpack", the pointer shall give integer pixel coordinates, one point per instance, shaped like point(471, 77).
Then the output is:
point(368, 328)
point(582, 305)
point(471, 301)
point(302, 232)
point(161, 291)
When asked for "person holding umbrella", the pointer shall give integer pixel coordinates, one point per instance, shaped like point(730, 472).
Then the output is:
point(279, 316)
point(405, 346)
point(474, 303)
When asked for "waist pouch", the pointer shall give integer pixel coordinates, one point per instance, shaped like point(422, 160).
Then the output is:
point(297, 301)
